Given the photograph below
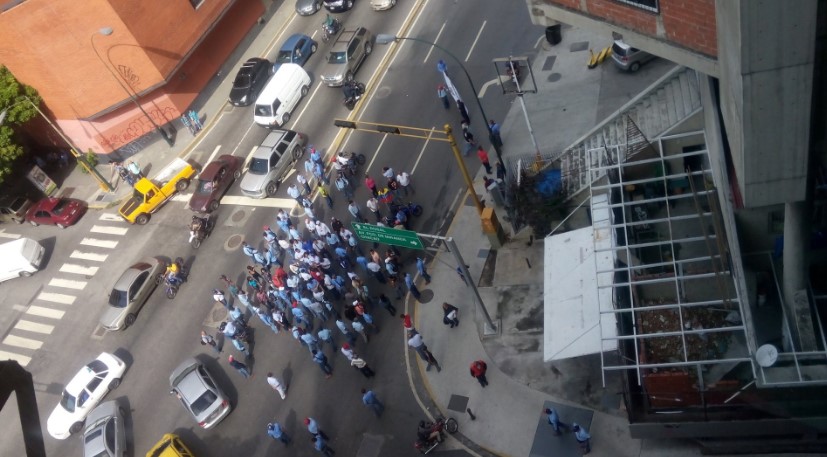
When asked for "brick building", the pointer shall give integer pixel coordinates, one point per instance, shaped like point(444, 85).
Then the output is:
point(709, 192)
point(89, 59)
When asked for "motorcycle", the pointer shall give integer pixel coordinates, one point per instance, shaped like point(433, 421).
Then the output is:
point(330, 28)
point(241, 331)
point(172, 284)
point(350, 161)
point(512, 69)
point(200, 229)
point(353, 93)
point(424, 444)
point(410, 209)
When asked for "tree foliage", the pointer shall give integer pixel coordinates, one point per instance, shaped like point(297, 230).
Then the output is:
point(535, 208)
point(15, 109)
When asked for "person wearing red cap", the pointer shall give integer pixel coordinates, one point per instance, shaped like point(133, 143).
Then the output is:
point(406, 321)
point(313, 427)
point(443, 95)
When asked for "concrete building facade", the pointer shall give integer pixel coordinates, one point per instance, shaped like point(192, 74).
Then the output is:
point(94, 61)
point(715, 205)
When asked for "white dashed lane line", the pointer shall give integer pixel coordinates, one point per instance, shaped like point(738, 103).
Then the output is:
point(35, 327)
point(109, 230)
point(20, 342)
point(108, 244)
point(89, 256)
point(57, 298)
point(45, 312)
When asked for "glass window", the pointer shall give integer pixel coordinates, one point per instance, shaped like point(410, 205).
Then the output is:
point(117, 298)
point(136, 286)
point(109, 436)
point(93, 384)
point(337, 57)
point(67, 401)
point(203, 402)
point(97, 367)
point(60, 207)
point(259, 167)
point(648, 5)
point(264, 110)
point(284, 57)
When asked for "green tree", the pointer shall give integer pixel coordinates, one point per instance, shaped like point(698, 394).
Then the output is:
point(15, 110)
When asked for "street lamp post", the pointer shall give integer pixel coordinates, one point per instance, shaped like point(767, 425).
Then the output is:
point(384, 38)
point(102, 182)
point(106, 31)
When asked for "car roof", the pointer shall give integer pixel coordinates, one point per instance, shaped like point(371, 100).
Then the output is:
point(47, 204)
point(253, 61)
point(208, 173)
point(182, 370)
point(130, 274)
point(622, 44)
point(292, 39)
point(272, 139)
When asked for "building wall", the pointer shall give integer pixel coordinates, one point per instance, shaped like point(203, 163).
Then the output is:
point(766, 62)
point(153, 50)
point(681, 31)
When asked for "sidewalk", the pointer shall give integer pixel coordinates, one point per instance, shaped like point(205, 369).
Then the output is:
point(509, 411)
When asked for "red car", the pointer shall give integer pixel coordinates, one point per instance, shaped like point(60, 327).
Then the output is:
point(213, 181)
point(61, 212)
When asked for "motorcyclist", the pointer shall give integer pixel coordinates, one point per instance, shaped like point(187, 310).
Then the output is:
point(351, 90)
point(171, 273)
point(513, 68)
point(198, 227)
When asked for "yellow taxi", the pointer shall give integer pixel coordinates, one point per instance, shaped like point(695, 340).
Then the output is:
point(170, 446)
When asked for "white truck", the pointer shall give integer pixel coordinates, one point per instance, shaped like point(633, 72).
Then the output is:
point(21, 257)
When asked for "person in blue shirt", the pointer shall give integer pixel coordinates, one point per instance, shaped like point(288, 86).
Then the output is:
point(496, 139)
point(582, 436)
point(320, 444)
point(554, 420)
point(321, 360)
point(372, 401)
point(276, 432)
point(423, 270)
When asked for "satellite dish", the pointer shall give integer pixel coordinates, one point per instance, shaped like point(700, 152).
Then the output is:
point(766, 355)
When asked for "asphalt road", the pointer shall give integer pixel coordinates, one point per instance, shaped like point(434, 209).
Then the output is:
point(166, 331)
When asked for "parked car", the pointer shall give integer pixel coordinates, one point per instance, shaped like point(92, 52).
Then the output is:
point(279, 151)
point(61, 212)
point(628, 58)
point(248, 82)
point(308, 7)
point(281, 95)
point(213, 181)
point(381, 5)
point(130, 292)
point(337, 6)
point(198, 392)
point(170, 445)
point(86, 389)
point(13, 209)
point(296, 49)
point(104, 435)
point(346, 56)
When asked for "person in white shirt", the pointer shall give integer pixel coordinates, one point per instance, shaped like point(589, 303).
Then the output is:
point(404, 180)
point(277, 385)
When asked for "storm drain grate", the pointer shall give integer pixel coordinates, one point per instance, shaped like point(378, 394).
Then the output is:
point(458, 403)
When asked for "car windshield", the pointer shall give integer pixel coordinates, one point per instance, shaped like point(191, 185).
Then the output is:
point(259, 167)
point(60, 207)
point(264, 110)
point(337, 57)
point(284, 57)
point(203, 402)
point(241, 81)
point(117, 298)
point(204, 187)
point(68, 401)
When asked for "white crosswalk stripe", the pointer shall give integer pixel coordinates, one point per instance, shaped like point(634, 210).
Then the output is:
point(67, 284)
point(57, 298)
point(35, 327)
point(89, 256)
point(21, 359)
point(111, 217)
point(285, 203)
point(109, 230)
point(19, 341)
point(45, 312)
point(13, 236)
point(78, 269)
point(110, 244)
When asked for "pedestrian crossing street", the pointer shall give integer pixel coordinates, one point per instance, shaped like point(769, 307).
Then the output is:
point(61, 292)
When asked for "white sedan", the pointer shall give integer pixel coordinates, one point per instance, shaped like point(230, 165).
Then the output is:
point(86, 389)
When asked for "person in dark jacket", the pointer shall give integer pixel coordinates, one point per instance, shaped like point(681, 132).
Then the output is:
point(451, 316)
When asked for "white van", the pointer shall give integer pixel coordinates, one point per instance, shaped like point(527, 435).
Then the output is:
point(281, 94)
point(20, 257)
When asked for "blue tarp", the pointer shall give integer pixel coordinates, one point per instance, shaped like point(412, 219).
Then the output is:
point(549, 182)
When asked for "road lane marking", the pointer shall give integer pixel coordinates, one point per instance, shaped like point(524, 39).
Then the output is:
point(88, 256)
point(45, 312)
point(21, 359)
point(109, 230)
point(78, 269)
point(376, 153)
point(285, 203)
point(181, 198)
point(214, 152)
point(99, 243)
point(481, 93)
point(13, 236)
point(30, 326)
point(57, 298)
point(111, 217)
point(249, 157)
point(20, 342)
point(474, 44)
point(436, 40)
point(308, 102)
point(67, 284)
point(242, 139)
point(422, 151)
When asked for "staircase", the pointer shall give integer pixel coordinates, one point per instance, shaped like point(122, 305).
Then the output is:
point(670, 100)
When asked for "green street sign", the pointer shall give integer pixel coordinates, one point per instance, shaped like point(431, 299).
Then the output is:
point(387, 235)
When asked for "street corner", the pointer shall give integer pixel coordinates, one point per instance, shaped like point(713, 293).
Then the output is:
point(547, 443)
